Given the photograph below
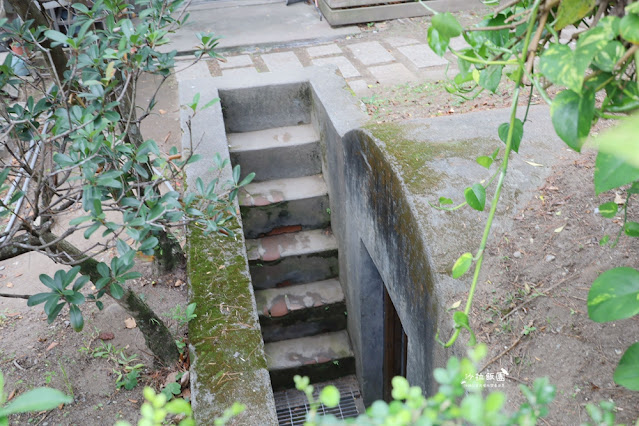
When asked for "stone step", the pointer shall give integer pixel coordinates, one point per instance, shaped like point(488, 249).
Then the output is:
point(277, 153)
point(294, 258)
point(301, 310)
point(284, 205)
point(322, 357)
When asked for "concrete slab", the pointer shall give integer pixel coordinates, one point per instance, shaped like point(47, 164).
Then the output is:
point(422, 56)
point(371, 53)
point(283, 300)
point(270, 138)
point(286, 245)
point(308, 350)
point(392, 74)
point(253, 25)
point(345, 66)
point(324, 50)
point(237, 61)
point(275, 191)
point(196, 71)
point(360, 87)
point(400, 41)
point(282, 61)
point(239, 73)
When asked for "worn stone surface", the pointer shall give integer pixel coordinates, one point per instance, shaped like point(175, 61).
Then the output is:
point(422, 56)
point(400, 41)
point(281, 61)
point(344, 65)
point(236, 61)
point(324, 50)
point(360, 87)
point(239, 72)
point(371, 53)
point(392, 74)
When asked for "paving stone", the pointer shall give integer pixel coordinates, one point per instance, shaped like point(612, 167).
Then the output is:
point(421, 56)
point(197, 71)
point(325, 50)
point(237, 61)
point(400, 41)
point(281, 61)
point(370, 53)
point(392, 74)
point(360, 87)
point(459, 43)
point(345, 67)
point(239, 72)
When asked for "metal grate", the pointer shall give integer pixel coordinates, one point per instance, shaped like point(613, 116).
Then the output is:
point(291, 405)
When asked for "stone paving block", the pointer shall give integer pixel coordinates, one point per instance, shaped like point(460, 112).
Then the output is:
point(345, 67)
point(281, 61)
point(459, 43)
point(197, 71)
point(237, 61)
point(360, 87)
point(325, 50)
point(400, 41)
point(421, 56)
point(239, 72)
point(392, 74)
point(371, 53)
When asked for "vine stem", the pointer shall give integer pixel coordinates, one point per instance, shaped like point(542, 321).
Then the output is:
point(502, 174)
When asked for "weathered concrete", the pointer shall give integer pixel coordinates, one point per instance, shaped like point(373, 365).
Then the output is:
point(227, 352)
point(320, 357)
point(294, 148)
point(243, 25)
point(284, 205)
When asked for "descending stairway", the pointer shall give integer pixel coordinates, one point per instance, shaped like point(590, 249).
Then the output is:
point(293, 255)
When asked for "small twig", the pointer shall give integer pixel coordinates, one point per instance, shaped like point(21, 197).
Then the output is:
point(532, 47)
point(516, 308)
point(15, 296)
point(505, 6)
point(515, 379)
point(504, 352)
point(15, 362)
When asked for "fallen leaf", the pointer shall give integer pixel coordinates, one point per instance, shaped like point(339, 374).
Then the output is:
point(9, 285)
point(221, 267)
point(133, 401)
point(561, 228)
point(619, 199)
point(130, 323)
point(186, 393)
point(170, 378)
point(534, 164)
point(11, 395)
point(179, 283)
point(51, 346)
point(106, 335)
point(455, 305)
point(18, 275)
point(161, 111)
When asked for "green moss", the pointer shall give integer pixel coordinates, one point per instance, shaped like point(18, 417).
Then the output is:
point(226, 336)
point(412, 157)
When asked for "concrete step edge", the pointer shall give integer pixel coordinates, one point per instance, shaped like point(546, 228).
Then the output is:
point(272, 248)
point(275, 191)
point(276, 137)
point(278, 302)
point(318, 349)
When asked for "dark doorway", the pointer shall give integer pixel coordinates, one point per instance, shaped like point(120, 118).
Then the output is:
point(395, 346)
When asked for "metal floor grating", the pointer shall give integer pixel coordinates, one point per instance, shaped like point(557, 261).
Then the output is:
point(291, 405)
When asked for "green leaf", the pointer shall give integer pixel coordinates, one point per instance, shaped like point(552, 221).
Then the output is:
point(462, 265)
point(614, 295)
point(627, 372)
point(461, 320)
point(57, 36)
point(116, 291)
point(446, 25)
point(40, 399)
point(75, 298)
point(178, 406)
point(518, 133)
point(476, 197)
point(572, 116)
point(36, 299)
point(445, 201)
point(401, 387)
point(490, 77)
point(612, 172)
point(437, 43)
point(604, 240)
point(148, 244)
point(55, 312)
point(494, 402)
point(571, 11)
point(557, 64)
point(629, 28)
point(608, 210)
point(484, 161)
point(632, 229)
point(472, 408)
point(607, 58)
point(77, 322)
point(329, 396)
point(622, 141)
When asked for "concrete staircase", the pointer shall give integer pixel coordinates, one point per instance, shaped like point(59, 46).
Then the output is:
point(292, 254)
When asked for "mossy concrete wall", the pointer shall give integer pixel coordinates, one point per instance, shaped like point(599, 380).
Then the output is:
point(227, 352)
